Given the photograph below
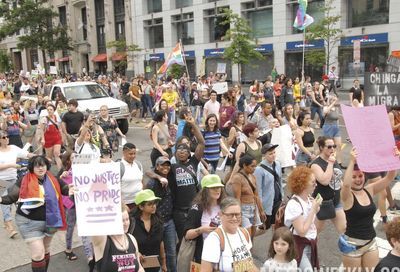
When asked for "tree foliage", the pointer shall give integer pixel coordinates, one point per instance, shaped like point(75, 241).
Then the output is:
point(5, 61)
point(242, 47)
point(36, 19)
point(176, 71)
point(121, 46)
point(326, 30)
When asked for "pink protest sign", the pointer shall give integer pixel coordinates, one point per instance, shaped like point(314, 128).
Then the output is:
point(371, 134)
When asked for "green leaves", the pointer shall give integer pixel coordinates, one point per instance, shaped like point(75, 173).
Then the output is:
point(121, 46)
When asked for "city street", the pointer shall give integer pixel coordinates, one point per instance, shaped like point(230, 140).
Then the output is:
point(16, 256)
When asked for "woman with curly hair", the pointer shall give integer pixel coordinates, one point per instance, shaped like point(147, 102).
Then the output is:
point(392, 260)
point(300, 215)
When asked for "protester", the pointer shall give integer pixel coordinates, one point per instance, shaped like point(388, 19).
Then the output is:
point(234, 252)
point(281, 252)
point(40, 212)
point(110, 128)
point(13, 127)
point(305, 139)
point(117, 252)
point(317, 103)
point(360, 208)
point(300, 215)
point(71, 123)
point(160, 137)
point(212, 105)
point(356, 94)
point(392, 259)
point(226, 111)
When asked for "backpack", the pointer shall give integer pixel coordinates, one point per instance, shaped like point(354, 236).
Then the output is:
point(221, 236)
point(280, 214)
point(122, 167)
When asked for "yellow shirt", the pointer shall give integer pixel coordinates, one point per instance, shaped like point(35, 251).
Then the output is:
point(297, 92)
point(171, 98)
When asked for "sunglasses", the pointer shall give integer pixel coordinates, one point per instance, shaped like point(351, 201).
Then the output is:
point(330, 146)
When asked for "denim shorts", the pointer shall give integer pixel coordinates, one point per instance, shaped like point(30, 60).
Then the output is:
point(302, 158)
point(250, 216)
point(331, 130)
point(32, 230)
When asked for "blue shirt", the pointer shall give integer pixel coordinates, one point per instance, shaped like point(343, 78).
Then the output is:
point(212, 145)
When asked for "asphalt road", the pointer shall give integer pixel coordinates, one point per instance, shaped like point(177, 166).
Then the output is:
point(16, 256)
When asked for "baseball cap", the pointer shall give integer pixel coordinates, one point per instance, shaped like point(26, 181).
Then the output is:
point(268, 147)
point(325, 77)
point(144, 196)
point(162, 159)
point(211, 181)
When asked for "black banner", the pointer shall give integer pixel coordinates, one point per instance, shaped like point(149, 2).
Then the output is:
point(382, 88)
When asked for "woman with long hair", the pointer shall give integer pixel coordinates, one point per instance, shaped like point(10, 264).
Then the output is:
point(160, 137)
point(203, 217)
point(213, 142)
point(12, 127)
point(243, 186)
point(40, 212)
point(148, 229)
point(226, 111)
point(305, 139)
point(31, 114)
point(110, 128)
point(288, 117)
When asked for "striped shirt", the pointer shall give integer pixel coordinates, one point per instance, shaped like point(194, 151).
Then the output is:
point(212, 146)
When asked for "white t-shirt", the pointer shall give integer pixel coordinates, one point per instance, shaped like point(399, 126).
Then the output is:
point(131, 181)
point(213, 216)
point(294, 210)
point(88, 149)
point(212, 107)
point(11, 157)
point(212, 249)
point(271, 265)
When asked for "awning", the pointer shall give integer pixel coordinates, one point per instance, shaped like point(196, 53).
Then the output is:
point(118, 56)
point(51, 60)
point(67, 58)
point(100, 58)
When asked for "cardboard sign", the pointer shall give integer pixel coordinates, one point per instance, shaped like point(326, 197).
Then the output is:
point(220, 87)
point(283, 136)
point(53, 70)
point(221, 68)
point(382, 88)
point(371, 134)
point(98, 198)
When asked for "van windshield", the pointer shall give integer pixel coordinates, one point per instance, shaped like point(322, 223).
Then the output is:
point(83, 92)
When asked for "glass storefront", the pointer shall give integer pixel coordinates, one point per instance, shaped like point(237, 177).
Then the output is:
point(293, 64)
point(368, 12)
point(258, 69)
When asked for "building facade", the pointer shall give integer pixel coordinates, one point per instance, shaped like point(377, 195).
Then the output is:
point(160, 24)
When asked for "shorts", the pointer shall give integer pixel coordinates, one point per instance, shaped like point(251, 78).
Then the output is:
point(52, 137)
point(136, 105)
point(32, 230)
point(331, 130)
point(250, 216)
point(371, 246)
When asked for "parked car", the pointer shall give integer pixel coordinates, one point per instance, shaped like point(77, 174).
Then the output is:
point(91, 96)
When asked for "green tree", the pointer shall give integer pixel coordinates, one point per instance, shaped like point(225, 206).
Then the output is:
point(176, 70)
point(121, 46)
point(241, 50)
point(5, 61)
point(35, 17)
point(325, 30)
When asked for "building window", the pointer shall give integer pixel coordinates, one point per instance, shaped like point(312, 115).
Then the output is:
point(84, 23)
point(119, 17)
point(62, 11)
point(120, 31)
point(99, 9)
point(101, 39)
point(119, 8)
point(100, 22)
point(259, 15)
point(364, 13)
point(314, 9)
point(154, 6)
point(154, 29)
point(214, 18)
point(183, 3)
point(184, 27)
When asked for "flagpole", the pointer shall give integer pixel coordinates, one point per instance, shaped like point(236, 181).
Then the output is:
point(184, 59)
point(304, 50)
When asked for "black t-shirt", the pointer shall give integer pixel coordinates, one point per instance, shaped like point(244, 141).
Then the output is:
point(389, 263)
point(332, 190)
point(148, 242)
point(184, 185)
point(125, 87)
point(73, 121)
point(164, 207)
point(357, 93)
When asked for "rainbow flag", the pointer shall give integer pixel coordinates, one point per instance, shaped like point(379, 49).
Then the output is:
point(175, 57)
point(302, 19)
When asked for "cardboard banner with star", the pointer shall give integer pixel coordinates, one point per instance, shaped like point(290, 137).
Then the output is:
point(98, 198)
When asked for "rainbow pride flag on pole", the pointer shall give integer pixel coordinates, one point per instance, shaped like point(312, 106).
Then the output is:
point(302, 19)
point(175, 57)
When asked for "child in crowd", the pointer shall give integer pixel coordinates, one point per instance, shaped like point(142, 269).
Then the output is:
point(281, 252)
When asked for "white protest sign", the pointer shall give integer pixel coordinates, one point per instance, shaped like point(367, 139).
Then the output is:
point(220, 87)
point(53, 70)
point(221, 68)
point(98, 198)
point(284, 138)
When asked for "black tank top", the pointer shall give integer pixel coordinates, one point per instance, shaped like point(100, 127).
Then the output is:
point(360, 219)
point(308, 138)
point(332, 190)
point(115, 260)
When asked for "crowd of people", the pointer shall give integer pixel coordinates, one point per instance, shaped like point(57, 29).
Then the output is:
point(216, 181)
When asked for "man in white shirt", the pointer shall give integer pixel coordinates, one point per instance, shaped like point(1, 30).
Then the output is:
point(332, 79)
point(212, 105)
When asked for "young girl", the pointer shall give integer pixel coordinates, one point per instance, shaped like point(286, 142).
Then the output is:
point(281, 252)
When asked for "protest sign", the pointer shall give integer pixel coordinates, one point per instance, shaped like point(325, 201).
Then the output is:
point(283, 137)
point(98, 198)
point(220, 87)
point(382, 88)
point(53, 70)
point(221, 68)
point(371, 134)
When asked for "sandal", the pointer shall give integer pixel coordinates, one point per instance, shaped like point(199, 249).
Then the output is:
point(70, 256)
